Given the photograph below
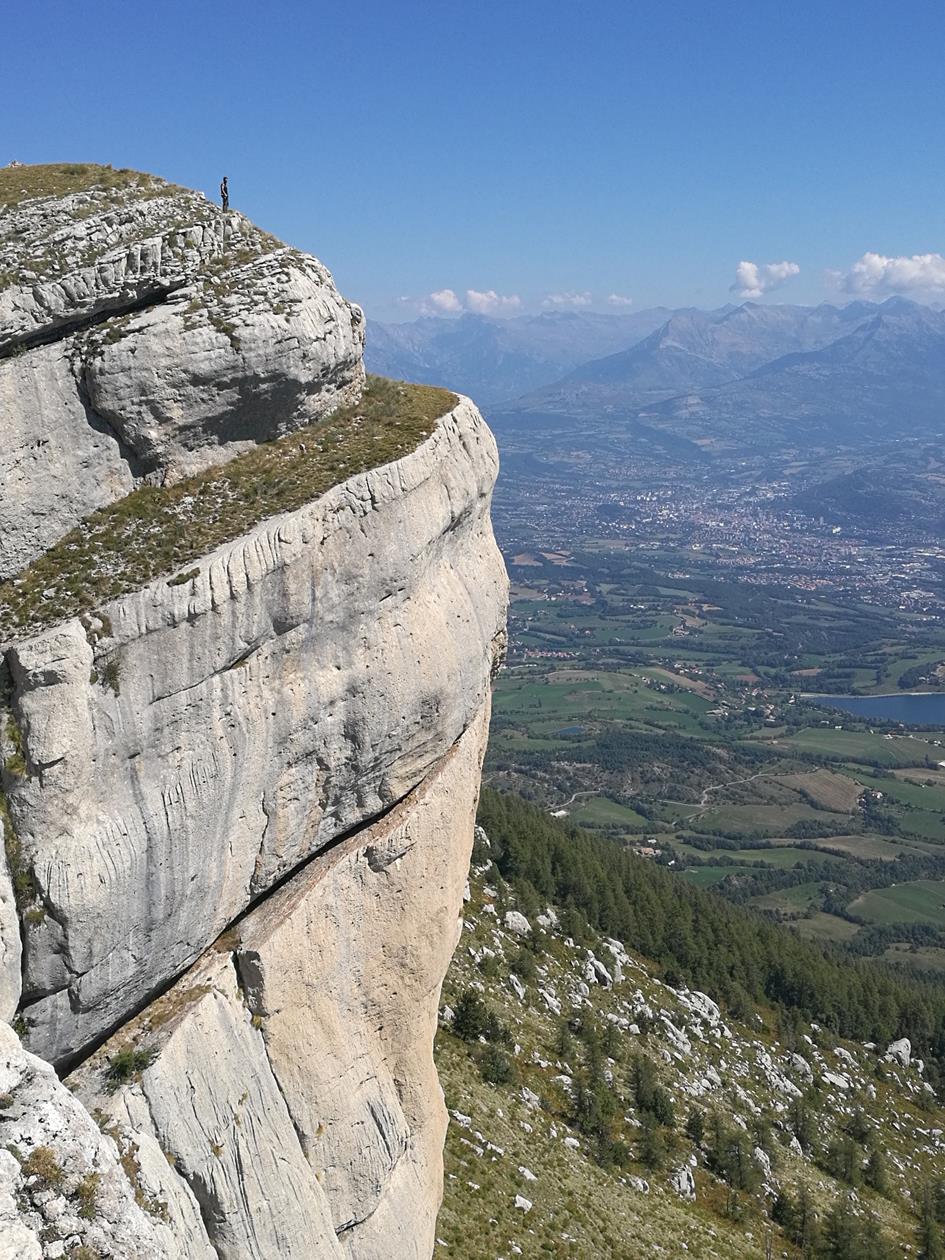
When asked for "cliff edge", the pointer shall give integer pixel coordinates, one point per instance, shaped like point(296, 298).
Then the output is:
point(250, 608)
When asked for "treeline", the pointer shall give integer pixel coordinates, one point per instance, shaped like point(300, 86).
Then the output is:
point(850, 874)
point(802, 626)
point(875, 938)
point(702, 939)
point(646, 755)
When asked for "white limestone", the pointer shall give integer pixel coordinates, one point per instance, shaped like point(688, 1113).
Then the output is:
point(41, 1118)
point(899, 1052)
point(163, 336)
point(246, 800)
point(303, 683)
point(337, 1153)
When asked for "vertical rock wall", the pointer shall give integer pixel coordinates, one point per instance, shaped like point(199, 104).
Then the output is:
point(300, 684)
point(237, 804)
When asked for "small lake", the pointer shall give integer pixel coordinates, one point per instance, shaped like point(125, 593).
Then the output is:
point(913, 710)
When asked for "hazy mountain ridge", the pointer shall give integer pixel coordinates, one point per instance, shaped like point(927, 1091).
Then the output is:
point(885, 378)
point(735, 377)
point(706, 348)
point(497, 360)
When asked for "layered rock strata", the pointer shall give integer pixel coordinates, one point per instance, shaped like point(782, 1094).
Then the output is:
point(193, 744)
point(237, 802)
point(287, 1103)
point(144, 335)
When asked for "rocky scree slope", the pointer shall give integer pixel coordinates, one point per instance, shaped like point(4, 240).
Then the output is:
point(600, 1112)
point(240, 744)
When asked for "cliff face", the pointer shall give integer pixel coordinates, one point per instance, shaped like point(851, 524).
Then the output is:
point(238, 799)
point(299, 685)
point(144, 334)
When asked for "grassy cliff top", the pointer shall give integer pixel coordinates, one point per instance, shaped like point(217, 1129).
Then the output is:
point(158, 530)
point(62, 179)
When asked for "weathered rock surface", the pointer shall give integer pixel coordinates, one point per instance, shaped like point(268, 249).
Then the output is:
point(64, 1181)
point(226, 363)
point(11, 948)
point(292, 1082)
point(159, 336)
point(238, 804)
point(899, 1052)
point(60, 461)
point(304, 682)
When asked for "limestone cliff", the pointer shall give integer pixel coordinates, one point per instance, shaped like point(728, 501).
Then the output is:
point(240, 758)
point(163, 336)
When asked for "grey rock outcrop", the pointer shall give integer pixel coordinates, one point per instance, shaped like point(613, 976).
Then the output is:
point(64, 1181)
point(683, 1182)
point(11, 948)
point(899, 1052)
point(238, 802)
point(290, 1077)
point(164, 336)
point(303, 683)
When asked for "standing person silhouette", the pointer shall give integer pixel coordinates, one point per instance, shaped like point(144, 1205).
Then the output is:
point(225, 193)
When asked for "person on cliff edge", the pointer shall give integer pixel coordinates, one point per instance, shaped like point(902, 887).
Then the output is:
point(225, 193)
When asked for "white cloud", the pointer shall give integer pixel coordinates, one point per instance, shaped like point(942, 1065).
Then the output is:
point(573, 301)
point(445, 300)
point(754, 279)
point(619, 299)
point(490, 302)
point(875, 275)
point(449, 302)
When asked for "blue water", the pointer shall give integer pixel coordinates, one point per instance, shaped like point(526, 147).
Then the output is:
point(570, 732)
point(913, 710)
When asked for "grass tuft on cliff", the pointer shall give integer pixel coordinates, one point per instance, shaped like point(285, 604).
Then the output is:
point(62, 179)
point(157, 530)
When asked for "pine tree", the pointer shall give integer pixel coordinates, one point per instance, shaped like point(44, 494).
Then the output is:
point(651, 1148)
point(695, 1126)
point(874, 1244)
point(877, 1177)
point(563, 1042)
point(842, 1239)
point(469, 1018)
point(804, 1124)
point(929, 1230)
point(858, 1127)
point(844, 1161)
point(784, 1213)
point(807, 1229)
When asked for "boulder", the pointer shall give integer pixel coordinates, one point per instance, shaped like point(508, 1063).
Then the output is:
point(683, 1182)
point(516, 923)
point(899, 1052)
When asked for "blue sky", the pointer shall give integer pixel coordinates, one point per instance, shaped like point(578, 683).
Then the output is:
point(527, 150)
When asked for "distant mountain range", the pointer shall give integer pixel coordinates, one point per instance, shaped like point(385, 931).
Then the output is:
point(498, 360)
point(728, 379)
point(883, 378)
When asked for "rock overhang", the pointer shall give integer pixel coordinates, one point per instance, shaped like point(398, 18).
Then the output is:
point(146, 334)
